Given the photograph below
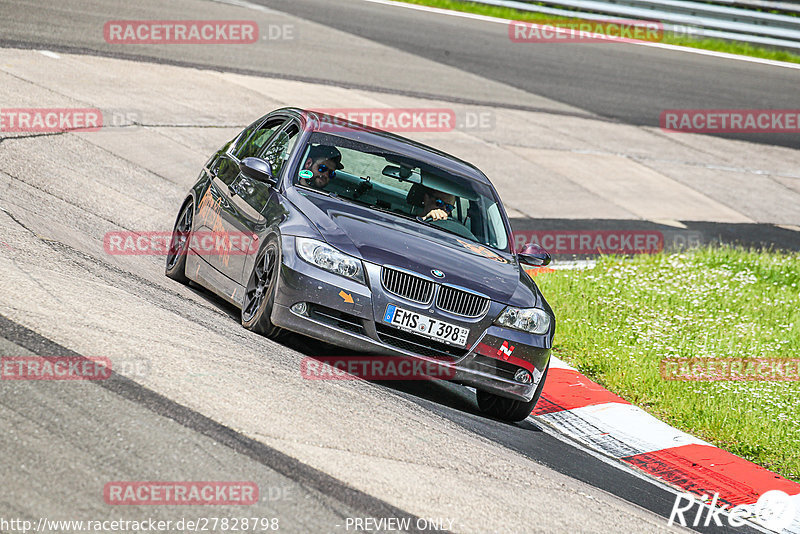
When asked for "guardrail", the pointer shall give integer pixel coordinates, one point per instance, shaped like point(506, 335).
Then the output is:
point(680, 17)
point(769, 5)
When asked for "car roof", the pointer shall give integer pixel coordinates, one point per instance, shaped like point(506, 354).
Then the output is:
point(325, 123)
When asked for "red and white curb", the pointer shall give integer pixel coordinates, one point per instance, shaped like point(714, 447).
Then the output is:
point(607, 423)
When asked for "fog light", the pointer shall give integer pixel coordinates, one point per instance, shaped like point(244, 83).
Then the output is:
point(522, 376)
point(301, 308)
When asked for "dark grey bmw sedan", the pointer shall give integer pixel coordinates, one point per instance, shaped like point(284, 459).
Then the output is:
point(372, 242)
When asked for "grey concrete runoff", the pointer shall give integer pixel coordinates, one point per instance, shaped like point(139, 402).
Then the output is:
point(62, 193)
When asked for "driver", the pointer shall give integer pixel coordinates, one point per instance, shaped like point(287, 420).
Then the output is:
point(437, 205)
point(323, 161)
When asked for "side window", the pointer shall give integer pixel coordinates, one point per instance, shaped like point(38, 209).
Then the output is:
point(253, 145)
point(241, 138)
point(497, 231)
point(281, 147)
point(257, 194)
point(226, 169)
point(461, 212)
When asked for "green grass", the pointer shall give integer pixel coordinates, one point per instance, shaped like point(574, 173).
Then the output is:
point(617, 321)
point(718, 45)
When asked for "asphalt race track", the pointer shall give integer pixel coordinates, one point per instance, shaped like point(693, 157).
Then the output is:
point(199, 398)
point(630, 84)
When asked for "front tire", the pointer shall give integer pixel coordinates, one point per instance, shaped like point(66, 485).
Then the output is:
point(179, 244)
point(509, 409)
point(259, 296)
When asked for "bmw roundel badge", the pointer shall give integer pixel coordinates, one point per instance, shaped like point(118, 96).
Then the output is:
point(437, 273)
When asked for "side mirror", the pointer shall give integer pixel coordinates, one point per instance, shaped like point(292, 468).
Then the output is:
point(534, 254)
point(257, 169)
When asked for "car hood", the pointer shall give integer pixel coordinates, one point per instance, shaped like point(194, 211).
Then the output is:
point(385, 239)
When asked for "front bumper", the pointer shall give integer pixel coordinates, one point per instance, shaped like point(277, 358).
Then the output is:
point(489, 362)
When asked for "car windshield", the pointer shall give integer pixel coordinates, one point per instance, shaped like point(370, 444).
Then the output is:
point(391, 182)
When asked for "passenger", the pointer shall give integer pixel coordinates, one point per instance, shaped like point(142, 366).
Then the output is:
point(323, 161)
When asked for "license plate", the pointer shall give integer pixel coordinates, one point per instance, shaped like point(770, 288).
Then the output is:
point(426, 326)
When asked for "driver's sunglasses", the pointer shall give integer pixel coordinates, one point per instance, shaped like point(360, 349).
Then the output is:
point(442, 205)
point(324, 168)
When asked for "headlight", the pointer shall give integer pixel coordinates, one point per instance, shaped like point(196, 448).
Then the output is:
point(532, 320)
point(326, 257)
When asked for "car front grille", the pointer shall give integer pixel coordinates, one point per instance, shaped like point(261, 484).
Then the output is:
point(419, 344)
point(460, 302)
point(408, 286)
